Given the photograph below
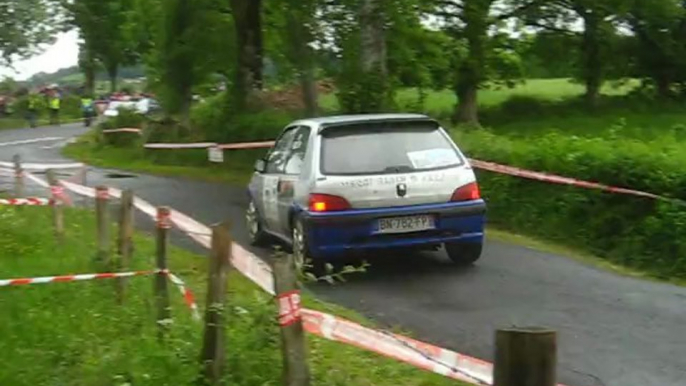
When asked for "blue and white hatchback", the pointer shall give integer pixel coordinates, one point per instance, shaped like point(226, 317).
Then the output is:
point(336, 185)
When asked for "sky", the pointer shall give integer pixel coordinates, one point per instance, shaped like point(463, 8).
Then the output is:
point(63, 53)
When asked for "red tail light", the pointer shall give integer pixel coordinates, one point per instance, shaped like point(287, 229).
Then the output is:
point(469, 192)
point(327, 203)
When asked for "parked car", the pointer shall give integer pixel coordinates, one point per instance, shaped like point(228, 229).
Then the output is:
point(143, 106)
point(337, 185)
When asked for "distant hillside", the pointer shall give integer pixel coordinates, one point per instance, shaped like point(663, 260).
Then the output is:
point(73, 76)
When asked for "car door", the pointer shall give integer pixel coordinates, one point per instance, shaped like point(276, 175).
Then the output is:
point(274, 169)
point(293, 167)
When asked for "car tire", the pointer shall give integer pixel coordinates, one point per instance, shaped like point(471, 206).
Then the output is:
point(301, 250)
point(464, 254)
point(256, 234)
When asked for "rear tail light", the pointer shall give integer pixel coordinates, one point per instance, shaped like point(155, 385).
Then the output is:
point(327, 203)
point(469, 192)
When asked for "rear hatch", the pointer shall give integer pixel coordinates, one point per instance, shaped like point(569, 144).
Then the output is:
point(391, 164)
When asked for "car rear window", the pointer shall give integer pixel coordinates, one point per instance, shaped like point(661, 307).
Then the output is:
point(386, 149)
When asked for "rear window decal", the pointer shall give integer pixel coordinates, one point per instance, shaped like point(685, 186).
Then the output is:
point(432, 158)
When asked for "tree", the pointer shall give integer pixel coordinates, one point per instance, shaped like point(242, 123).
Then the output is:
point(25, 25)
point(247, 20)
point(659, 47)
point(360, 30)
point(104, 25)
point(468, 23)
point(192, 45)
point(295, 30)
point(8, 86)
point(88, 65)
point(597, 39)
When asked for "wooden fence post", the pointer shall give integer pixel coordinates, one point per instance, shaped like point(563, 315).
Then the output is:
point(57, 192)
point(102, 197)
point(18, 177)
point(212, 355)
point(161, 289)
point(525, 357)
point(125, 240)
point(293, 349)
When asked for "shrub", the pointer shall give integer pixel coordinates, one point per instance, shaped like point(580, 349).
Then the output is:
point(167, 130)
point(217, 123)
point(128, 118)
point(638, 232)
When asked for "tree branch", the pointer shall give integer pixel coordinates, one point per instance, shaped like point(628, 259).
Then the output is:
point(550, 27)
point(520, 10)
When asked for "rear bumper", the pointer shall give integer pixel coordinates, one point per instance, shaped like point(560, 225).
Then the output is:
point(355, 230)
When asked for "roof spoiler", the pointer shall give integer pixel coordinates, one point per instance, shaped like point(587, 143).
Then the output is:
point(379, 122)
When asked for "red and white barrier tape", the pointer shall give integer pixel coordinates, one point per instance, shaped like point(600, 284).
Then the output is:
point(205, 145)
point(247, 145)
point(30, 201)
point(418, 354)
point(123, 130)
point(555, 179)
point(33, 166)
point(67, 278)
point(172, 146)
point(186, 293)
point(484, 165)
point(188, 297)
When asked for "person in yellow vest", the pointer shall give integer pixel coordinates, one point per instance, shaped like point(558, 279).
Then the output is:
point(32, 109)
point(88, 109)
point(54, 105)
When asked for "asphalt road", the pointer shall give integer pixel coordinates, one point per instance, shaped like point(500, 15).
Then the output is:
point(613, 330)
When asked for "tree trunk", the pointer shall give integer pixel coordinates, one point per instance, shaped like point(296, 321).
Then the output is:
point(299, 18)
point(375, 90)
point(467, 109)
point(89, 74)
point(185, 110)
point(372, 37)
point(664, 85)
point(88, 66)
point(112, 72)
point(247, 16)
point(308, 84)
point(592, 63)
point(470, 74)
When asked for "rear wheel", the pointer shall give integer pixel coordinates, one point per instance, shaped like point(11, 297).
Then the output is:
point(301, 250)
point(256, 233)
point(464, 253)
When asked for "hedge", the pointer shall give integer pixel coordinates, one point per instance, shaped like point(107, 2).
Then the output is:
point(637, 232)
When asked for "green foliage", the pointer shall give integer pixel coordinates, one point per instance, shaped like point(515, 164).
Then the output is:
point(127, 119)
point(633, 231)
point(70, 106)
point(76, 334)
point(166, 130)
point(105, 26)
point(218, 123)
point(26, 24)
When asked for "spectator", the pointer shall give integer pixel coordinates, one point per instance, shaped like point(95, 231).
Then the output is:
point(32, 109)
point(54, 104)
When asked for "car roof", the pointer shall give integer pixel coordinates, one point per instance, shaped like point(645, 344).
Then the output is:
point(358, 118)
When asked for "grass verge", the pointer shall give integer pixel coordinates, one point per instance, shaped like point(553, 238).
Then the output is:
point(236, 169)
point(15, 123)
point(76, 334)
point(501, 235)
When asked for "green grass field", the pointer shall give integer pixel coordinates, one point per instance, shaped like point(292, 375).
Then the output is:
point(76, 334)
point(443, 102)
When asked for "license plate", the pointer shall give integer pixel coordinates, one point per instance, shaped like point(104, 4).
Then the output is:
point(405, 224)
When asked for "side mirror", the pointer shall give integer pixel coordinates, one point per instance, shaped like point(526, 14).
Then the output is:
point(260, 166)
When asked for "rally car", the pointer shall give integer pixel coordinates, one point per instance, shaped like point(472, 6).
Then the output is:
point(336, 185)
